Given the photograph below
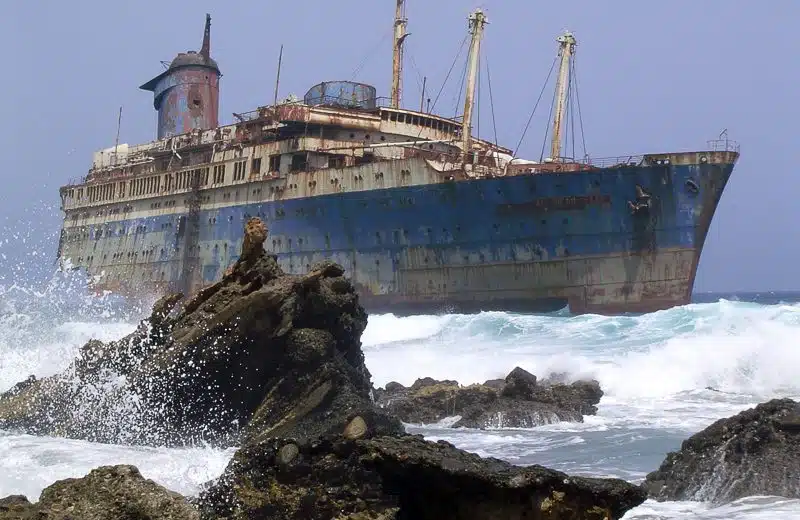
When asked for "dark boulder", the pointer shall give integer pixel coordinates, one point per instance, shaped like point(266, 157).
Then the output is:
point(520, 384)
point(260, 353)
point(756, 452)
point(401, 477)
point(16, 507)
point(495, 384)
point(425, 382)
point(394, 387)
point(519, 401)
point(106, 493)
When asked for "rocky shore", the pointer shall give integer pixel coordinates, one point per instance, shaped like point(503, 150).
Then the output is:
point(108, 492)
point(258, 354)
point(272, 363)
point(518, 401)
point(756, 452)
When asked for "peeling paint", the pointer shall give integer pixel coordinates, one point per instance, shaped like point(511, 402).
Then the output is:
point(445, 245)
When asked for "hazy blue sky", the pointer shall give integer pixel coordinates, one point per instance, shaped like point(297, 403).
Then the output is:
point(653, 75)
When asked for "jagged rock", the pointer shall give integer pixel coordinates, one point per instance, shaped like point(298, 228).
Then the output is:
point(402, 477)
point(273, 362)
point(255, 233)
point(106, 493)
point(519, 401)
point(756, 452)
point(258, 354)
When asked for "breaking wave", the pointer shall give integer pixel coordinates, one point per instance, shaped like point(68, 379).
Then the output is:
point(726, 348)
point(665, 375)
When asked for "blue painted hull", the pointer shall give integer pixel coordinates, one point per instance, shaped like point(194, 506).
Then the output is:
point(529, 242)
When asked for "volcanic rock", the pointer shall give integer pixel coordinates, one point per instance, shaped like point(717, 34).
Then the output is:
point(401, 477)
point(106, 493)
point(756, 452)
point(519, 401)
point(260, 353)
point(273, 363)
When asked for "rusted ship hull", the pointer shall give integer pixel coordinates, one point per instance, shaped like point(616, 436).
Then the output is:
point(527, 242)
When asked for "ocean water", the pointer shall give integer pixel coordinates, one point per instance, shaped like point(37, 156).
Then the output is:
point(654, 369)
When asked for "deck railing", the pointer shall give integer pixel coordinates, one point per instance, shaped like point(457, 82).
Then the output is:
point(723, 145)
point(605, 162)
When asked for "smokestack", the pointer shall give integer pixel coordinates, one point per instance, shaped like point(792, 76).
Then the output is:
point(186, 95)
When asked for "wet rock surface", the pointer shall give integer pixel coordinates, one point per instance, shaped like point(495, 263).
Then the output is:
point(401, 477)
point(106, 493)
point(273, 363)
point(756, 452)
point(518, 401)
point(260, 353)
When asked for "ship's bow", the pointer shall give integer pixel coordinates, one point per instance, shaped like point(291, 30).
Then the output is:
point(673, 198)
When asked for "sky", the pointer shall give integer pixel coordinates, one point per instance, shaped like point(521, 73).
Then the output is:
point(653, 76)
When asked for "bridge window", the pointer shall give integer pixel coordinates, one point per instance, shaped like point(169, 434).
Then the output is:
point(368, 157)
point(299, 162)
point(336, 161)
point(238, 170)
point(219, 173)
point(274, 163)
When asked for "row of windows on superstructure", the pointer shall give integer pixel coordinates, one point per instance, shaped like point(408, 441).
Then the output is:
point(156, 184)
point(180, 180)
point(199, 177)
point(418, 120)
point(185, 180)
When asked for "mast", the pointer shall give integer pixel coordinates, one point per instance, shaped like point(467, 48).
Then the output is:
point(476, 22)
point(400, 23)
point(566, 49)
